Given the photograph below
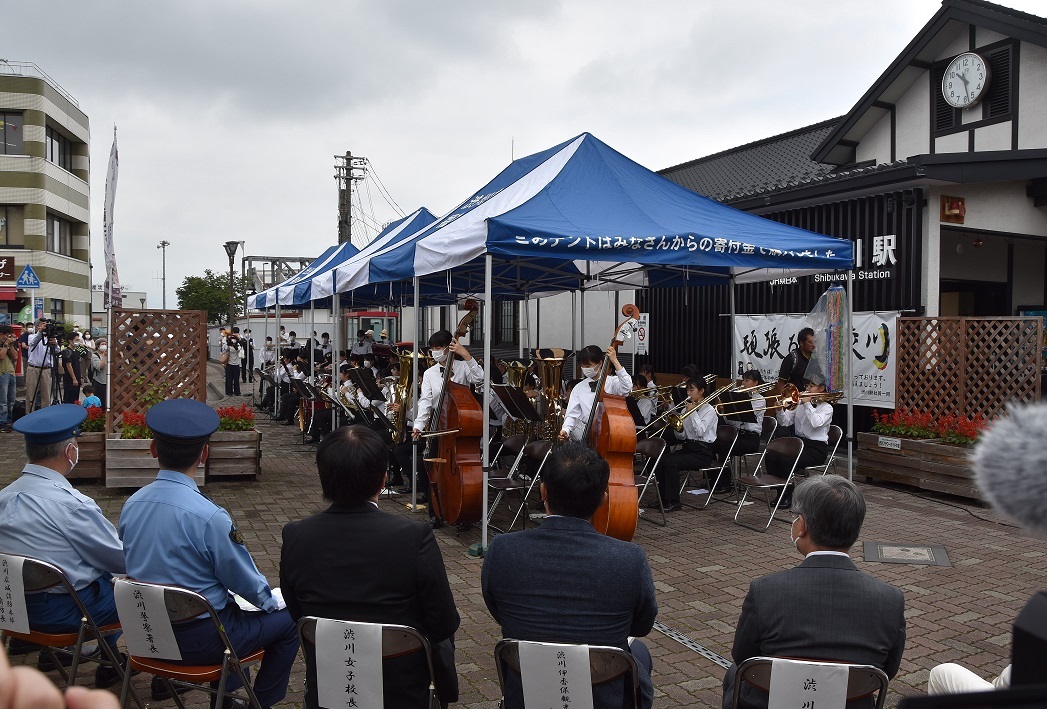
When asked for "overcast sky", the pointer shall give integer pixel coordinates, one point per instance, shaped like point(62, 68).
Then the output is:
point(230, 111)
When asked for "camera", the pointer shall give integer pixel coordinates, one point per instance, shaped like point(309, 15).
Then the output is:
point(53, 331)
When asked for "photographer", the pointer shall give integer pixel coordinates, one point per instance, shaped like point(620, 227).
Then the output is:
point(8, 360)
point(231, 350)
point(42, 345)
point(72, 377)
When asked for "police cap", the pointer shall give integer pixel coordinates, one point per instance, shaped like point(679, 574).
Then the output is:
point(182, 420)
point(51, 424)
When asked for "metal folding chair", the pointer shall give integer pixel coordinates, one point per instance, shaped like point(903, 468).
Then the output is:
point(605, 664)
point(835, 436)
point(787, 450)
point(862, 680)
point(770, 426)
point(39, 576)
point(183, 606)
point(535, 450)
point(397, 640)
point(502, 484)
point(726, 438)
point(652, 449)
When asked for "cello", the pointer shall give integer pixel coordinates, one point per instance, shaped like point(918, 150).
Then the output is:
point(456, 426)
point(611, 432)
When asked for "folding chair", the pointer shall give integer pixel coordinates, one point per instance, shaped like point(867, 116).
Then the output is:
point(37, 577)
point(397, 640)
point(726, 438)
point(862, 680)
point(606, 664)
point(787, 450)
point(770, 426)
point(835, 436)
point(652, 449)
point(501, 484)
point(182, 606)
point(535, 450)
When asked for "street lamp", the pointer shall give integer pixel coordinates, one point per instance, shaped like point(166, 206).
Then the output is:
point(163, 278)
point(230, 248)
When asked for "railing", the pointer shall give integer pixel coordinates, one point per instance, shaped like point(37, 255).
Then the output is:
point(11, 68)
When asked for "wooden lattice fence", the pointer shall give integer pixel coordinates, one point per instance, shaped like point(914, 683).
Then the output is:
point(968, 366)
point(156, 355)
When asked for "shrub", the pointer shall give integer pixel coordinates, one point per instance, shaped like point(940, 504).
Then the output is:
point(133, 426)
point(235, 418)
point(957, 430)
point(95, 421)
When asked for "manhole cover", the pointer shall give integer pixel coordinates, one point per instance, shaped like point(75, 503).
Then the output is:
point(901, 553)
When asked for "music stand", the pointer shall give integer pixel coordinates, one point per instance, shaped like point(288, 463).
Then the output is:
point(634, 409)
point(364, 380)
point(735, 400)
point(268, 379)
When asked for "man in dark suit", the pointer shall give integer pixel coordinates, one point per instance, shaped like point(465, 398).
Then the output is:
point(605, 596)
point(825, 608)
point(355, 562)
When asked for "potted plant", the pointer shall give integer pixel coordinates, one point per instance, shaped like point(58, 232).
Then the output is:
point(916, 448)
point(236, 447)
point(91, 443)
point(128, 461)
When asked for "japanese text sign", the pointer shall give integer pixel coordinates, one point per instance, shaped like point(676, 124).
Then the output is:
point(13, 615)
point(349, 664)
point(796, 684)
point(145, 622)
point(556, 676)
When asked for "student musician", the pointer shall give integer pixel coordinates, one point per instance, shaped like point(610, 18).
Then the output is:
point(463, 371)
point(644, 401)
point(811, 421)
point(580, 403)
point(748, 431)
point(698, 434)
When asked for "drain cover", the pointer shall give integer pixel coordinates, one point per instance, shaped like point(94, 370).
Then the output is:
point(902, 553)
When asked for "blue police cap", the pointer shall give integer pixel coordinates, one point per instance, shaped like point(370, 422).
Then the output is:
point(182, 420)
point(51, 424)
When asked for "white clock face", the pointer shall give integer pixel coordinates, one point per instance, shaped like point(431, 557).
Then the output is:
point(966, 80)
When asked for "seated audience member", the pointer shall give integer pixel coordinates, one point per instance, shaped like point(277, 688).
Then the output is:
point(175, 535)
point(43, 516)
point(950, 678)
point(392, 573)
point(533, 599)
point(825, 608)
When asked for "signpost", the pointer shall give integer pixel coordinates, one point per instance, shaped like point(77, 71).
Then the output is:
point(28, 278)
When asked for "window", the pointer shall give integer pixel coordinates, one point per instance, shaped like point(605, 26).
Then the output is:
point(58, 238)
point(3, 226)
point(11, 134)
point(59, 149)
point(58, 310)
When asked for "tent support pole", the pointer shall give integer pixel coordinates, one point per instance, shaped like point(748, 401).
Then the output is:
point(312, 341)
point(730, 335)
point(279, 357)
point(574, 322)
point(488, 366)
point(849, 353)
point(334, 355)
point(415, 388)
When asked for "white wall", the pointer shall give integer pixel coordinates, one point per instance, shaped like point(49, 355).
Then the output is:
point(876, 144)
point(1032, 98)
point(912, 117)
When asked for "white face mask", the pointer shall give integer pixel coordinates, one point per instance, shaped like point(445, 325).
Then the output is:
point(796, 540)
point(440, 355)
point(76, 457)
point(368, 363)
point(589, 372)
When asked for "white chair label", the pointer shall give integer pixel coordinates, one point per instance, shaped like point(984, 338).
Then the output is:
point(807, 685)
point(349, 664)
point(145, 622)
point(13, 615)
point(556, 676)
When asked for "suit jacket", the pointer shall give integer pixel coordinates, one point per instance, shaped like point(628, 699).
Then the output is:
point(355, 562)
point(565, 582)
point(823, 609)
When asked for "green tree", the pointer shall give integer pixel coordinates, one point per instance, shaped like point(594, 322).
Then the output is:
point(210, 292)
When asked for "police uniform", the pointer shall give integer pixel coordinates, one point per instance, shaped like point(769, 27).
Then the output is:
point(175, 535)
point(44, 517)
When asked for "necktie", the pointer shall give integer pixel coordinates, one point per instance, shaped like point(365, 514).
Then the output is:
point(592, 387)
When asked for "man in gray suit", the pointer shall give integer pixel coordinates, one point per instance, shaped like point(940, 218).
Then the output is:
point(825, 608)
point(605, 597)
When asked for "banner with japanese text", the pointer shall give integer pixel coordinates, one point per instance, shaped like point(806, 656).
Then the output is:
point(762, 342)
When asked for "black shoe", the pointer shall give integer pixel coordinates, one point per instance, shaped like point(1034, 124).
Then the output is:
point(787, 503)
point(107, 675)
point(423, 497)
point(397, 483)
point(21, 647)
point(674, 507)
point(44, 663)
point(436, 522)
point(160, 692)
point(404, 490)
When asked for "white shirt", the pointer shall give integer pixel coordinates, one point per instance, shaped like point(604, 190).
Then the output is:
point(810, 421)
point(646, 406)
point(580, 405)
point(361, 347)
point(700, 425)
point(39, 352)
point(433, 384)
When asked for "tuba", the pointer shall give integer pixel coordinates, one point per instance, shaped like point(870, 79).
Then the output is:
point(549, 365)
point(400, 393)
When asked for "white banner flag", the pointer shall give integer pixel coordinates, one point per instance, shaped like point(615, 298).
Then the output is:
point(762, 341)
point(113, 296)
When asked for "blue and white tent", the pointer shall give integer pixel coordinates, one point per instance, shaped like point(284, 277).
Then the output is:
point(581, 213)
point(315, 281)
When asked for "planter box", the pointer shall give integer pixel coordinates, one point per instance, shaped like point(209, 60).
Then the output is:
point(927, 464)
point(128, 463)
point(91, 466)
point(235, 454)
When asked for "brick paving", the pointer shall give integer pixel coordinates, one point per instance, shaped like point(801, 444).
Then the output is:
point(702, 565)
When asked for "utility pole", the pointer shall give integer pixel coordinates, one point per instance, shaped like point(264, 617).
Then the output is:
point(163, 273)
point(347, 170)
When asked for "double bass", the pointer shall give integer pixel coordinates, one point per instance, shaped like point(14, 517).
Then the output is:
point(455, 429)
point(611, 432)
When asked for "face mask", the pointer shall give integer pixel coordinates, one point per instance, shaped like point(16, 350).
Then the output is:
point(796, 540)
point(102, 348)
point(76, 458)
point(440, 355)
point(368, 362)
point(589, 372)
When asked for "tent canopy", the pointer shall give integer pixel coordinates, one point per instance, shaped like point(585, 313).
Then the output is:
point(581, 214)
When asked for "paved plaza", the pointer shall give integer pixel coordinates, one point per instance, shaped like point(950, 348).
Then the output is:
point(702, 564)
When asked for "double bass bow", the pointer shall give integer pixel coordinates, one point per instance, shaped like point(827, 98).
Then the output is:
point(611, 432)
point(455, 429)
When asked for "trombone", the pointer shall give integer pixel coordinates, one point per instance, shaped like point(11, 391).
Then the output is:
point(675, 421)
point(658, 419)
point(791, 397)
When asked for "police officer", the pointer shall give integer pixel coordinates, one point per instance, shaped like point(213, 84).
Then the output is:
point(43, 516)
point(174, 535)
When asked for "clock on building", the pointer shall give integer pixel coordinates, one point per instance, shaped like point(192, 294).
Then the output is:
point(966, 80)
